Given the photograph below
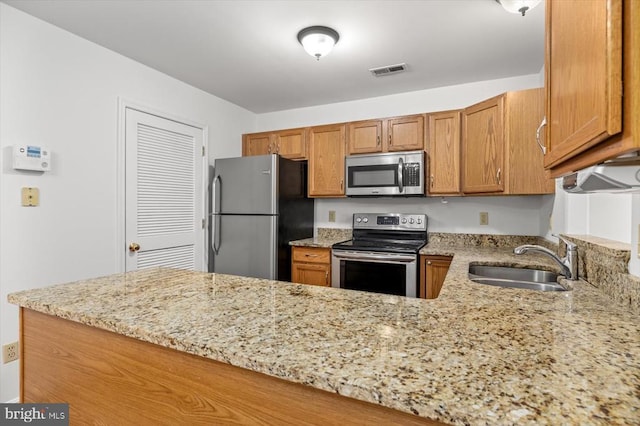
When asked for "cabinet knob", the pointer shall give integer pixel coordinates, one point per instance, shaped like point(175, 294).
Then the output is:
point(134, 247)
point(429, 263)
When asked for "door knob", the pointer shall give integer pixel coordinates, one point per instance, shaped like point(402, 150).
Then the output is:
point(134, 247)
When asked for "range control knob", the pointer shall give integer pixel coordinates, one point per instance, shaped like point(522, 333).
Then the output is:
point(365, 219)
point(411, 221)
point(404, 220)
point(419, 221)
point(358, 219)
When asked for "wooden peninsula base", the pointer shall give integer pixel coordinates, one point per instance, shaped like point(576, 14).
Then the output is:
point(110, 379)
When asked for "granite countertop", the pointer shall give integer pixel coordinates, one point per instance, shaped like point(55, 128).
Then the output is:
point(476, 355)
point(325, 238)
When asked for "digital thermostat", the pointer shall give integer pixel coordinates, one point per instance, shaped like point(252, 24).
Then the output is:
point(30, 157)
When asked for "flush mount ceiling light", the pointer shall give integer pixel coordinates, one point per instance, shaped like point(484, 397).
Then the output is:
point(318, 41)
point(518, 6)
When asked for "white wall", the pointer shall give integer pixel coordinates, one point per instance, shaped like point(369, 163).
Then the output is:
point(518, 215)
point(62, 91)
point(440, 99)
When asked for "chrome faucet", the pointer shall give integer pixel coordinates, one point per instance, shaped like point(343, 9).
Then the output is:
point(568, 264)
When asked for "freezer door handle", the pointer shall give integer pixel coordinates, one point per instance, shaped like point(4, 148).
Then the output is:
point(217, 200)
point(217, 208)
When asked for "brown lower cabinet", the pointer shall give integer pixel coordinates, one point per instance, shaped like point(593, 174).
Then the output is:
point(433, 270)
point(311, 265)
point(110, 379)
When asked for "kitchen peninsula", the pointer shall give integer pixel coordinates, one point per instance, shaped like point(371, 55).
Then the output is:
point(142, 346)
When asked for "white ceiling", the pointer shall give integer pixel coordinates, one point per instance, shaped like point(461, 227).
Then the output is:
point(247, 52)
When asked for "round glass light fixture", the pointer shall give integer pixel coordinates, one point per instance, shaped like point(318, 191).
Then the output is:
point(318, 41)
point(518, 6)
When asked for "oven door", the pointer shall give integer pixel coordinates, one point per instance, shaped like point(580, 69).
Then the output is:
point(389, 273)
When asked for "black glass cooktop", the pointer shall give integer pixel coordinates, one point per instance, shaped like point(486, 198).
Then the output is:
point(390, 246)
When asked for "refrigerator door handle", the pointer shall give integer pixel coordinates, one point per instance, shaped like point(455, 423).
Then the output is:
point(216, 210)
point(217, 200)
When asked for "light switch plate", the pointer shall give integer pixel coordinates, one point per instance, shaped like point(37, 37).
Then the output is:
point(30, 197)
point(332, 215)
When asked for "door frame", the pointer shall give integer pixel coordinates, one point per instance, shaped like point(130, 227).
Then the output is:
point(121, 243)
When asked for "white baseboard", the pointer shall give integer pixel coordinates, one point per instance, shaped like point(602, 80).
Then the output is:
point(13, 401)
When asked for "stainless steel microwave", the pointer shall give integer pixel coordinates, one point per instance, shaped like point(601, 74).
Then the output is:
point(396, 174)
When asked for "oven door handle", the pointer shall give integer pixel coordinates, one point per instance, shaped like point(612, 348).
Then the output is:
point(365, 257)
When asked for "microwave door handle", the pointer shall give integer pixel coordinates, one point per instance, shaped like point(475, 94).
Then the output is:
point(400, 174)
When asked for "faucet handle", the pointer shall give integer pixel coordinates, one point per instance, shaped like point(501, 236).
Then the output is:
point(569, 244)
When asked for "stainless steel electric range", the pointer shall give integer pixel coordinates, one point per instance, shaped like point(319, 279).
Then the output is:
point(382, 257)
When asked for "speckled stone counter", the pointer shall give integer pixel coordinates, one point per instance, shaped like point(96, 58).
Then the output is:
point(476, 355)
point(325, 238)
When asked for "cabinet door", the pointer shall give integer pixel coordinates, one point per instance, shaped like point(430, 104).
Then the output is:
point(326, 160)
point(444, 152)
point(310, 273)
point(364, 136)
point(583, 75)
point(483, 147)
point(405, 133)
point(291, 144)
point(433, 270)
point(257, 144)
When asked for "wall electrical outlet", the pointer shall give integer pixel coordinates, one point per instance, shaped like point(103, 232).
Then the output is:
point(332, 215)
point(10, 352)
point(484, 218)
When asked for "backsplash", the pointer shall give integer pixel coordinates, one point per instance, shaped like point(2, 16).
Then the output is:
point(488, 240)
point(605, 264)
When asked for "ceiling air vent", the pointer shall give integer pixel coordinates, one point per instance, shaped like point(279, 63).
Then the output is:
point(388, 70)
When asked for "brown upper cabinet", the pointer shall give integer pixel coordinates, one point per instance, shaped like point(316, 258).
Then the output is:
point(389, 134)
point(327, 146)
point(499, 150)
point(291, 143)
point(443, 146)
point(257, 144)
point(588, 118)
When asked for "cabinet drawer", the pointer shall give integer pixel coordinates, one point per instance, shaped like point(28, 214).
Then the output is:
point(311, 255)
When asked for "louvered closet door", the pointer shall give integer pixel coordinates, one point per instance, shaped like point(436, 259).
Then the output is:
point(163, 193)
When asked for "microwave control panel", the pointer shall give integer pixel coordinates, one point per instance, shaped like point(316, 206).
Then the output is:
point(411, 175)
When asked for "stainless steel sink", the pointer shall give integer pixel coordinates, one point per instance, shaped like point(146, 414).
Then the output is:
point(505, 276)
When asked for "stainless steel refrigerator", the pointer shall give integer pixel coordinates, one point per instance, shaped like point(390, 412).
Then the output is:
point(259, 204)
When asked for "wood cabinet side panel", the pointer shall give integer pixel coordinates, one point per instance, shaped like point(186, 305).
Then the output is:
point(108, 378)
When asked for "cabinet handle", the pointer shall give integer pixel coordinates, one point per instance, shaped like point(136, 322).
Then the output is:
point(269, 150)
point(326, 277)
point(341, 184)
point(431, 177)
point(390, 142)
point(498, 175)
point(310, 255)
point(378, 140)
point(542, 124)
